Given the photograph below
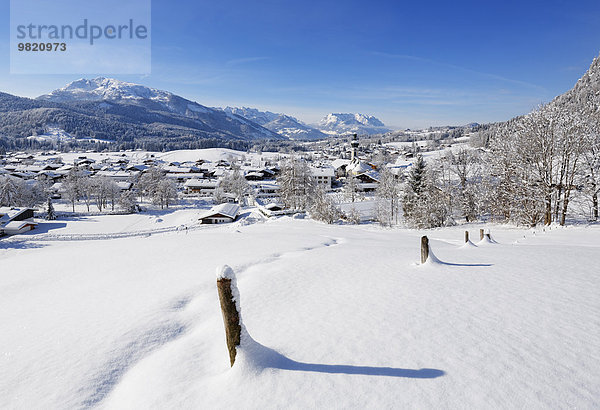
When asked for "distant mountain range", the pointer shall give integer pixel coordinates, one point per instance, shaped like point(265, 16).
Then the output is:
point(351, 123)
point(282, 124)
point(331, 124)
point(105, 109)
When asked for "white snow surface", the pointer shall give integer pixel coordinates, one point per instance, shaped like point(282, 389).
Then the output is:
point(337, 316)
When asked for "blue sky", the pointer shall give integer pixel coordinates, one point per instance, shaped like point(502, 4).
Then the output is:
point(411, 64)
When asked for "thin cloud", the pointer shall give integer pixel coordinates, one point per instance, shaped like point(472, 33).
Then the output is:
point(460, 68)
point(240, 61)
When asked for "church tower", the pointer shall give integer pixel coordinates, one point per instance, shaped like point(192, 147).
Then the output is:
point(354, 145)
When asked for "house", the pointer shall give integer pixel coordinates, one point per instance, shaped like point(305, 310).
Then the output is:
point(273, 209)
point(182, 177)
point(323, 176)
point(267, 189)
point(222, 213)
point(339, 165)
point(17, 227)
point(15, 214)
point(254, 176)
point(204, 187)
point(369, 177)
point(16, 220)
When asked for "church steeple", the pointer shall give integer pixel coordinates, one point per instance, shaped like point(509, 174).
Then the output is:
point(354, 145)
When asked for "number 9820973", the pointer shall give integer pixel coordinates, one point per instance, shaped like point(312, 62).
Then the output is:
point(42, 47)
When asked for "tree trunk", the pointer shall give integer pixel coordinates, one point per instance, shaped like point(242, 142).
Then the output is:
point(563, 216)
point(595, 205)
point(548, 213)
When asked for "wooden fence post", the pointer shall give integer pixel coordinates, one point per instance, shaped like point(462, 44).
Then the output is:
point(481, 234)
point(466, 236)
point(424, 249)
point(231, 316)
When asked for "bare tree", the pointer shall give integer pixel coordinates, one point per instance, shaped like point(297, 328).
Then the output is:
point(464, 164)
point(236, 184)
point(323, 208)
point(351, 190)
point(128, 202)
point(297, 184)
point(165, 194)
point(388, 197)
point(72, 186)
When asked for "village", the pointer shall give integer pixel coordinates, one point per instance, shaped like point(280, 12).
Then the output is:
point(91, 183)
point(45, 179)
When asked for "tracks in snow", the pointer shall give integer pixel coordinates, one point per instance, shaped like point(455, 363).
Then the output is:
point(140, 343)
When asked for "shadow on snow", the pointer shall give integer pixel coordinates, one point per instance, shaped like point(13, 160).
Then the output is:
point(261, 357)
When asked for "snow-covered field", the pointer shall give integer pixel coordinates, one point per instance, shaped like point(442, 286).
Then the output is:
point(340, 317)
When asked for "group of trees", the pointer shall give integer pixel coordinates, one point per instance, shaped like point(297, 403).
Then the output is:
point(538, 163)
point(18, 192)
point(101, 191)
point(153, 185)
point(299, 191)
point(234, 183)
point(526, 171)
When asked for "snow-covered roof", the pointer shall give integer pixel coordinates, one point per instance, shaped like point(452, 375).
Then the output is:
point(371, 174)
point(229, 210)
point(184, 175)
point(201, 183)
point(338, 163)
point(6, 213)
point(124, 185)
point(16, 225)
point(114, 174)
point(255, 174)
point(358, 167)
point(323, 172)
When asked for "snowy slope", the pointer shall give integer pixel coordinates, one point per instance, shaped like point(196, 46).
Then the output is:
point(339, 316)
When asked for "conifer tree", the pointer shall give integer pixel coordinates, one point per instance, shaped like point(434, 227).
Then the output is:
point(50, 214)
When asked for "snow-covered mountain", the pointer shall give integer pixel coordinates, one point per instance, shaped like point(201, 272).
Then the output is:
point(282, 124)
point(346, 123)
point(106, 94)
point(101, 88)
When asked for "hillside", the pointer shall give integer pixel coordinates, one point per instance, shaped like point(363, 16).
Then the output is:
point(586, 92)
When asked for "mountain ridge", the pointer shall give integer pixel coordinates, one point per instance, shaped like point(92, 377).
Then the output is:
point(283, 124)
point(343, 123)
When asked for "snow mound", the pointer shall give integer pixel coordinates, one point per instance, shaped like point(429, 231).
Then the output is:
point(487, 240)
point(432, 259)
point(468, 245)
